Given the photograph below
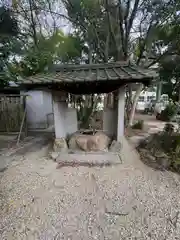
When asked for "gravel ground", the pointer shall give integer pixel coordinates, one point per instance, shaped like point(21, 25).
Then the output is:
point(128, 201)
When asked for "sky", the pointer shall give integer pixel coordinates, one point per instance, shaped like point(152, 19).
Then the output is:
point(61, 23)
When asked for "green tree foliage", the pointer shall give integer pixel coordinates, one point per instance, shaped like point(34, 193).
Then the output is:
point(170, 63)
point(103, 30)
point(8, 24)
point(123, 30)
point(170, 75)
point(58, 48)
point(33, 45)
point(117, 29)
point(8, 44)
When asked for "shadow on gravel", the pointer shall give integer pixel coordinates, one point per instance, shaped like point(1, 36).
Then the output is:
point(34, 145)
point(38, 145)
point(84, 164)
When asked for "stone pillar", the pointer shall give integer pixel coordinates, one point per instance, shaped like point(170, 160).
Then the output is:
point(65, 119)
point(59, 109)
point(71, 122)
point(110, 121)
point(120, 115)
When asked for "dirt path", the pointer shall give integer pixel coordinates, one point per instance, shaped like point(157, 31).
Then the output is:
point(128, 201)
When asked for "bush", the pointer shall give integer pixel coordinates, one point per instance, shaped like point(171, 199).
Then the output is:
point(170, 144)
point(168, 112)
point(169, 128)
point(138, 125)
point(164, 149)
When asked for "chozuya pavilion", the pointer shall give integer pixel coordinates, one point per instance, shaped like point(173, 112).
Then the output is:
point(88, 79)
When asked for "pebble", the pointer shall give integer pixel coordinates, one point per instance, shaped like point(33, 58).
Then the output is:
point(75, 207)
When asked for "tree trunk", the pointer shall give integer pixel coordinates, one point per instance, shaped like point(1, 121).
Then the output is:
point(106, 51)
point(90, 55)
point(159, 91)
point(128, 103)
point(135, 100)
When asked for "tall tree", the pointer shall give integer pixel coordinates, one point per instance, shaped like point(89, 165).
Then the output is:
point(119, 29)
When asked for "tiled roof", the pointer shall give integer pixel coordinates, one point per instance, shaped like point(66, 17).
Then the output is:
point(118, 73)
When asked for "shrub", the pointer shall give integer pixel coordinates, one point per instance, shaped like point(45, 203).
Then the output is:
point(168, 112)
point(164, 148)
point(170, 144)
point(176, 158)
point(169, 128)
point(138, 125)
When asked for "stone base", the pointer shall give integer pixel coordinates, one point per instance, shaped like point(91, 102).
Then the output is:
point(87, 143)
point(60, 145)
point(89, 159)
point(115, 146)
point(54, 155)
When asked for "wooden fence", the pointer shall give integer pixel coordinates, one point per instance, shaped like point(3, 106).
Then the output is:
point(12, 108)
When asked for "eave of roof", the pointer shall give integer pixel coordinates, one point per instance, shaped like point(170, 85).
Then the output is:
point(91, 78)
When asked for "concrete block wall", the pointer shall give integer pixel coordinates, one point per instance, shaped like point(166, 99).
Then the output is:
point(39, 107)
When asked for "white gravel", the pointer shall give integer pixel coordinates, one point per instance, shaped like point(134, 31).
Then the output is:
point(128, 201)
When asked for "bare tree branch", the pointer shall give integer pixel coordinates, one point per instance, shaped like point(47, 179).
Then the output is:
point(33, 23)
point(127, 9)
point(132, 17)
point(166, 53)
point(52, 15)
